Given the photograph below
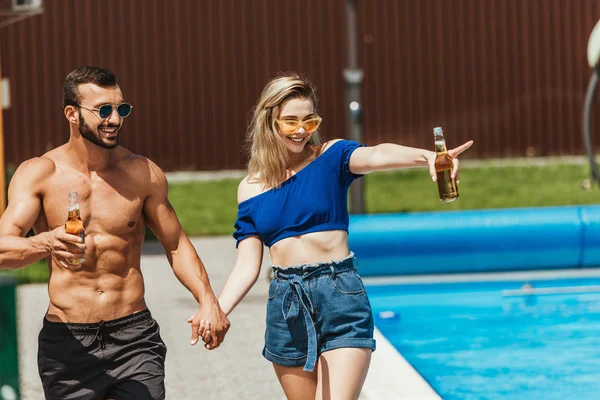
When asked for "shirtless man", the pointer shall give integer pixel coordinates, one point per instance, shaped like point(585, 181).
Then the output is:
point(98, 339)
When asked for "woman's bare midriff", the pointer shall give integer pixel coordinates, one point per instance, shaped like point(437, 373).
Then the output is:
point(310, 248)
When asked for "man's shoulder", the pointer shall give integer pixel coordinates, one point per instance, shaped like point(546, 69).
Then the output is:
point(32, 175)
point(142, 169)
point(37, 167)
point(136, 163)
point(125, 156)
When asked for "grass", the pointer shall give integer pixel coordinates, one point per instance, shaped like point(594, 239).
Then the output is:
point(36, 272)
point(205, 208)
point(482, 188)
point(209, 207)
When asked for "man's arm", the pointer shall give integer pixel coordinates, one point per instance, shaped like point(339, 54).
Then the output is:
point(24, 206)
point(182, 256)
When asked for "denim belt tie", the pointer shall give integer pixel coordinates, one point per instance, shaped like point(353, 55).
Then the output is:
point(299, 297)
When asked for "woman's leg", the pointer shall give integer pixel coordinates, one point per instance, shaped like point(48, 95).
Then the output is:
point(297, 383)
point(342, 373)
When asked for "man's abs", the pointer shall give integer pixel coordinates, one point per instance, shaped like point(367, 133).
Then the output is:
point(84, 296)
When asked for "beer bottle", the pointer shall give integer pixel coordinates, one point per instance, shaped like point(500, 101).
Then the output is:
point(74, 223)
point(447, 188)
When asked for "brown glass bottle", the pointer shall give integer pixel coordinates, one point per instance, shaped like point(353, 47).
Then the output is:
point(447, 188)
point(74, 223)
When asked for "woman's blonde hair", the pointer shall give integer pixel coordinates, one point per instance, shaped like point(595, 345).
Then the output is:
point(268, 154)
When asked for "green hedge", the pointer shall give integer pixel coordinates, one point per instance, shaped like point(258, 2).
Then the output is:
point(35, 273)
point(10, 171)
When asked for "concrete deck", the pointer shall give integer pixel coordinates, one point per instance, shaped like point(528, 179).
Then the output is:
point(236, 370)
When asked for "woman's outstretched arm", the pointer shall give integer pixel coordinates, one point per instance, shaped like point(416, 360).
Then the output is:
point(393, 156)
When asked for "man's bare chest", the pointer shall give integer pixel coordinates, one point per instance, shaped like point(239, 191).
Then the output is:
point(112, 203)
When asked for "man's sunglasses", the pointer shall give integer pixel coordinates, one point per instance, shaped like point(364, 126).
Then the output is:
point(104, 111)
point(291, 126)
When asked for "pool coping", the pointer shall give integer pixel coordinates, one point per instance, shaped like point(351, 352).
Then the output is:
point(483, 276)
point(392, 377)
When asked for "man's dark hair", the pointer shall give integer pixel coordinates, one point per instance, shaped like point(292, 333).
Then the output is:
point(98, 76)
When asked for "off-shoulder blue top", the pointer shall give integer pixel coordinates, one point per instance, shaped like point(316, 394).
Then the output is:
point(313, 200)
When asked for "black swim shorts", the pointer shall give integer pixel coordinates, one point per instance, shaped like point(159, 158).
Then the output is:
point(119, 359)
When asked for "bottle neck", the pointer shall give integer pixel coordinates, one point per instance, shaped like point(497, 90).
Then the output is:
point(440, 144)
point(73, 205)
point(74, 214)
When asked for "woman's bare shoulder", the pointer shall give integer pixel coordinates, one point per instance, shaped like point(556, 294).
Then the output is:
point(325, 146)
point(248, 188)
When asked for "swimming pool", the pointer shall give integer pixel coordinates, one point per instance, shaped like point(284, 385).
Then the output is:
point(497, 339)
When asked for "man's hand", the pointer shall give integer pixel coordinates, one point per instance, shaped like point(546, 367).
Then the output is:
point(64, 247)
point(210, 323)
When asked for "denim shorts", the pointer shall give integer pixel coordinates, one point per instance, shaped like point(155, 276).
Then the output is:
point(314, 308)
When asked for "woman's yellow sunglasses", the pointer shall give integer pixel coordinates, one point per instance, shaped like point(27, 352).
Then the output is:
point(291, 126)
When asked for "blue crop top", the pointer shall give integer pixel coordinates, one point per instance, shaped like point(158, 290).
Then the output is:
point(313, 200)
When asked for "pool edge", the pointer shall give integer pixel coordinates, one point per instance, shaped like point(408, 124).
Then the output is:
point(392, 377)
point(483, 276)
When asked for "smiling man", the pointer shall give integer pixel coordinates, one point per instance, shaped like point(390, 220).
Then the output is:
point(98, 339)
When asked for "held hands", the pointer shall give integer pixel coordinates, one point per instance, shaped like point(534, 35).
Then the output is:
point(452, 154)
point(210, 324)
point(65, 247)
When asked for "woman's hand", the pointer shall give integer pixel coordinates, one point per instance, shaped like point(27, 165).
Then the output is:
point(452, 155)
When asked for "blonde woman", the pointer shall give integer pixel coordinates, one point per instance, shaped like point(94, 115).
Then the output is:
point(319, 328)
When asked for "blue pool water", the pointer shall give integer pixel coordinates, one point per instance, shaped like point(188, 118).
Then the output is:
point(477, 341)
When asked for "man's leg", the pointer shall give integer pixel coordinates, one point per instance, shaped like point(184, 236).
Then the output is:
point(137, 355)
point(70, 364)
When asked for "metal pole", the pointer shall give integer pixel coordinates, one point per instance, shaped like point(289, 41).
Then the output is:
point(2, 162)
point(353, 79)
point(587, 110)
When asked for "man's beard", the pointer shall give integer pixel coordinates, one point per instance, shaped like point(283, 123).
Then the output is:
point(87, 133)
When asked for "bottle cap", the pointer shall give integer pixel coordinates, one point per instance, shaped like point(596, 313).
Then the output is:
point(437, 130)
